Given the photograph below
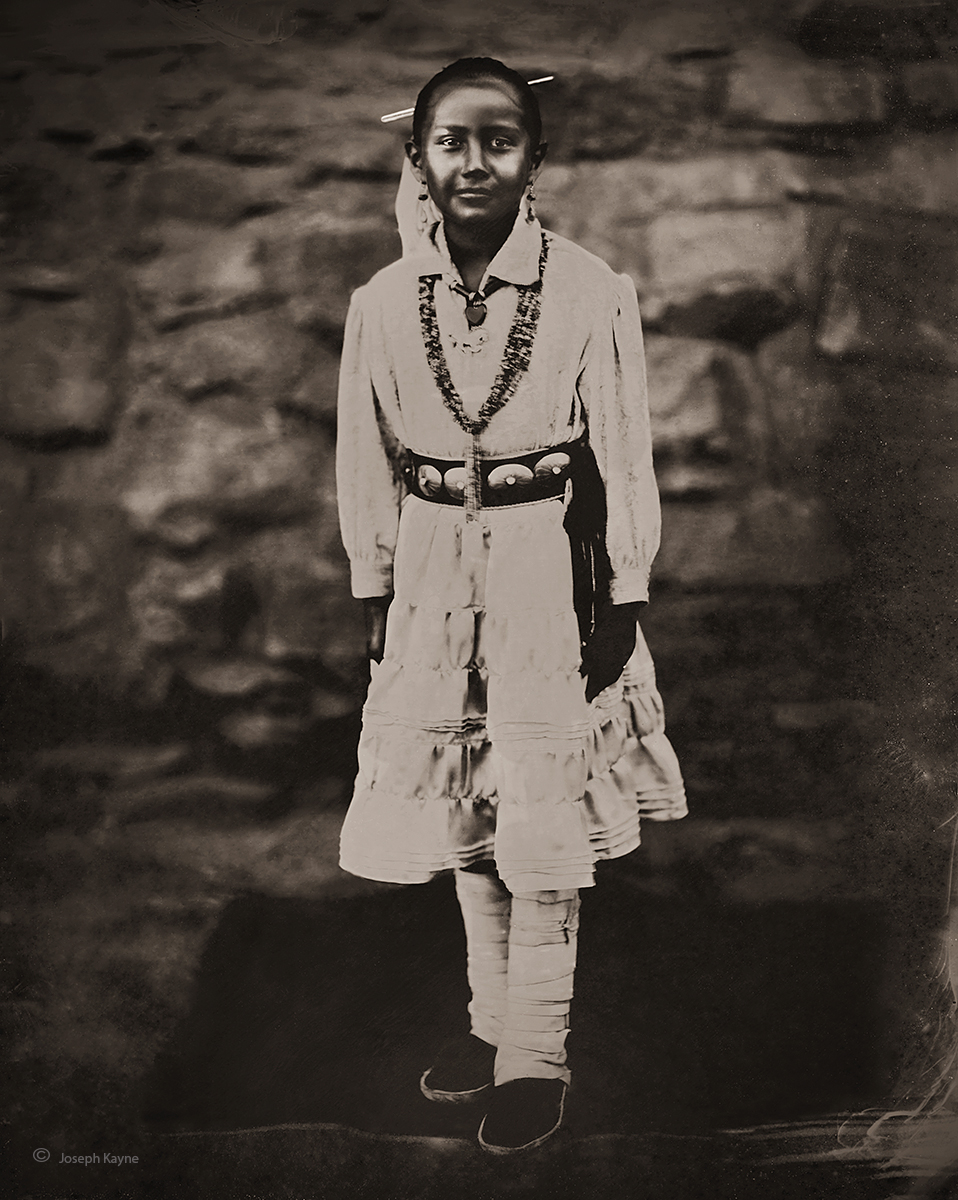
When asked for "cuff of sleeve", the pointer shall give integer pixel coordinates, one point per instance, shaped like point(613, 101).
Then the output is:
point(371, 579)
point(629, 587)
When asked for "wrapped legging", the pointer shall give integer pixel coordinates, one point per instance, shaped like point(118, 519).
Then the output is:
point(521, 953)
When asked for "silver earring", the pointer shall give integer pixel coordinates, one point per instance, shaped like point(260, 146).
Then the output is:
point(423, 215)
point(531, 203)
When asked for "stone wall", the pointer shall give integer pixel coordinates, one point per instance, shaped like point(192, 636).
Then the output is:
point(185, 221)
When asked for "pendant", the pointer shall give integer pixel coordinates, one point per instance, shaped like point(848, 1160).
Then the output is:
point(473, 343)
point(475, 313)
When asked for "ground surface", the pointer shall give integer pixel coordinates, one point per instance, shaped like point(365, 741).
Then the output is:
point(293, 1071)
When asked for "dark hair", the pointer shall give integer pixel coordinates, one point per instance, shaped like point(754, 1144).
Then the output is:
point(473, 70)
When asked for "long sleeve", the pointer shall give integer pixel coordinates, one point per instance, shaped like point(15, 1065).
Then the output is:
point(369, 487)
point(613, 392)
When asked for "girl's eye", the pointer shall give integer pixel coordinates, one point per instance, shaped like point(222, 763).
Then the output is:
point(448, 141)
point(502, 143)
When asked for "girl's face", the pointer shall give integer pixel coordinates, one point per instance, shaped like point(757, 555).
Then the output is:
point(476, 156)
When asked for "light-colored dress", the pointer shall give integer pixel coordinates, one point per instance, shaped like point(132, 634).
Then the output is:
point(477, 740)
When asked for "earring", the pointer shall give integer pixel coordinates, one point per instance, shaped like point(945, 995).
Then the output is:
point(423, 213)
point(531, 203)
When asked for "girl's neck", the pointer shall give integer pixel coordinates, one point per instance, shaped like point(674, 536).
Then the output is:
point(472, 249)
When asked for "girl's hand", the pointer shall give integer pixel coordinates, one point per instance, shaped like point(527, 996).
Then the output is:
point(374, 609)
point(608, 650)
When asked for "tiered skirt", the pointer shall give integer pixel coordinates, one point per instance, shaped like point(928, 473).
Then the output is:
point(477, 740)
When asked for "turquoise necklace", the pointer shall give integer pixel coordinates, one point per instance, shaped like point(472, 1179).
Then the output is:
point(515, 357)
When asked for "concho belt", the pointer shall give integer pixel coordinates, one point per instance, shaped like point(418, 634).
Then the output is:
point(521, 479)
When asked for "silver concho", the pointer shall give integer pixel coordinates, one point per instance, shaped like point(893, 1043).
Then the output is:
point(510, 475)
point(455, 480)
point(552, 464)
point(430, 479)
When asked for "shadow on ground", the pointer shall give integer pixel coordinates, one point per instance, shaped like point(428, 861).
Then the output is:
point(295, 1073)
point(684, 1020)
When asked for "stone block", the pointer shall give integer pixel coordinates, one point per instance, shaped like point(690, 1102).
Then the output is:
point(44, 203)
point(349, 144)
point(555, 189)
point(125, 765)
point(342, 203)
point(17, 473)
point(891, 293)
point(888, 29)
point(638, 189)
point(926, 482)
point(316, 393)
point(758, 860)
point(254, 136)
point(324, 136)
point(804, 400)
point(255, 730)
point(779, 85)
point(741, 310)
point(60, 378)
point(306, 611)
point(770, 538)
point(931, 88)
point(687, 248)
point(708, 414)
point(185, 798)
point(191, 87)
point(176, 605)
point(226, 462)
point(259, 354)
point(887, 405)
point(109, 113)
point(659, 108)
point(44, 281)
point(900, 500)
point(64, 568)
point(322, 265)
point(295, 856)
point(237, 677)
point(684, 400)
point(899, 471)
point(915, 174)
point(198, 275)
point(209, 191)
point(69, 108)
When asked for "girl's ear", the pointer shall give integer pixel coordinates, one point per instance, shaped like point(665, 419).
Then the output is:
point(538, 156)
point(414, 154)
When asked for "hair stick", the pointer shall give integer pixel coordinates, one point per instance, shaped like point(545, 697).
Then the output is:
point(408, 112)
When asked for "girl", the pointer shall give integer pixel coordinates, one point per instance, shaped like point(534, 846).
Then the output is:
point(497, 500)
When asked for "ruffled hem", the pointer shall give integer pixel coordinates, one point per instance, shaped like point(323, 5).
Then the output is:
point(416, 815)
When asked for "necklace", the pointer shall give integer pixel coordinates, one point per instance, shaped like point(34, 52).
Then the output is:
point(475, 314)
point(515, 357)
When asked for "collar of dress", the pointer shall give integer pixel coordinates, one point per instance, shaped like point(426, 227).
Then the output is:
point(516, 262)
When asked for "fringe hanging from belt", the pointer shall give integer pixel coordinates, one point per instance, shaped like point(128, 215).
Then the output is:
point(585, 524)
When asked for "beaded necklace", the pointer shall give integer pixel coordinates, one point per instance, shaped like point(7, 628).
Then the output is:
point(515, 362)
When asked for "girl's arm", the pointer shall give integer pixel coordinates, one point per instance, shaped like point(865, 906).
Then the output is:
point(368, 482)
point(612, 388)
